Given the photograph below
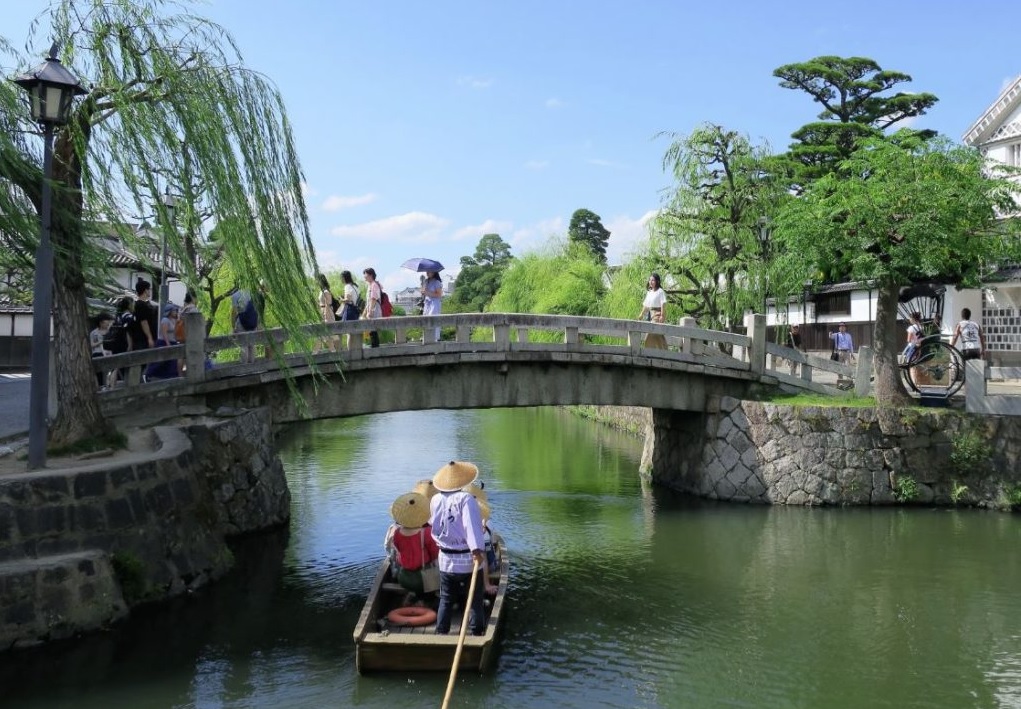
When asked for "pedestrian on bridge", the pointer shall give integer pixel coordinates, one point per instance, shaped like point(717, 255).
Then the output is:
point(653, 311)
point(373, 305)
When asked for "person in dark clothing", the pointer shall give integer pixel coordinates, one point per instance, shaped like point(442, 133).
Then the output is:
point(147, 317)
point(794, 341)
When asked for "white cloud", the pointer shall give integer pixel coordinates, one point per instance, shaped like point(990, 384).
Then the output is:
point(475, 231)
point(554, 103)
point(308, 191)
point(532, 235)
point(474, 82)
point(626, 234)
point(413, 226)
point(537, 164)
point(335, 203)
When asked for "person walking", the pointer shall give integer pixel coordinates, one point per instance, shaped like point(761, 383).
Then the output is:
point(794, 342)
point(147, 317)
point(456, 522)
point(373, 305)
point(653, 311)
point(326, 310)
point(973, 343)
point(245, 317)
point(432, 296)
point(843, 345)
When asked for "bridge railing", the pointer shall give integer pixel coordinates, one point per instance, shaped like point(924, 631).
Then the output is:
point(977, 398)
point(476, 332)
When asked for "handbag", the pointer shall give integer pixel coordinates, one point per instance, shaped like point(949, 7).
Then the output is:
point(834, 356)
point(430, 572)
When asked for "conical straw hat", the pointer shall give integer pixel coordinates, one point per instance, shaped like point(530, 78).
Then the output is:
point(410, 510)
point(425, 487)
point(454, 475)
point(484, 510)
point(475, 490)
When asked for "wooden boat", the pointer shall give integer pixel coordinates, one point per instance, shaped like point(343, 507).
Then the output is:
point(382, 646)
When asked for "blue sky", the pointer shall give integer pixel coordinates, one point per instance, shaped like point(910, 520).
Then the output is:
point(421, 126)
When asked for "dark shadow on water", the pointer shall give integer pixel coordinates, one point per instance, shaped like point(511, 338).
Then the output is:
point(251, 610)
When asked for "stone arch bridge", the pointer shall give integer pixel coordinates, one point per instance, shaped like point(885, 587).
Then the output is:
point(494, 360)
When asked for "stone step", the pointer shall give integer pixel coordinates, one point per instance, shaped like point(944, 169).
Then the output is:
point(57, 596)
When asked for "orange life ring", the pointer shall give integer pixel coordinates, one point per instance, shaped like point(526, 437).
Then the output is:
point(411, 615)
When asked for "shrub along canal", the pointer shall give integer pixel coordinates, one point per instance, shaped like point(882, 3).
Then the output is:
point(621, 596)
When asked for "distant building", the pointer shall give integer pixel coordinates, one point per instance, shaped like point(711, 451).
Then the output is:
point(142, 258)
point(997, 134)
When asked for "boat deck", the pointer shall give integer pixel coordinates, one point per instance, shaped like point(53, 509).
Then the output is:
point(398, 591)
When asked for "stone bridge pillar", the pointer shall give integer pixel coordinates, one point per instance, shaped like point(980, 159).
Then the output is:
point(673, 448)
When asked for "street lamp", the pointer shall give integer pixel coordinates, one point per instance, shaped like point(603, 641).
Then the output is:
point(764, 245)
point(51, 89)
point(170, 207)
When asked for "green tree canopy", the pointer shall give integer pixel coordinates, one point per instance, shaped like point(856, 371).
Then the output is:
point(480, 275)
point(851, 92)
point(708, 235)
point(561, 279)
point(587, 228)
point(167, 89)
point(900, 211)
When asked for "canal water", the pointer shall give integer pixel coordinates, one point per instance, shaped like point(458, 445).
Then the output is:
point(620, 595)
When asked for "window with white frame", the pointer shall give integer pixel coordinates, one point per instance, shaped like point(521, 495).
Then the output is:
point(1014, 155)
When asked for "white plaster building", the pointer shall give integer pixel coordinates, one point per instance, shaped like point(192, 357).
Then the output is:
point(997, 134)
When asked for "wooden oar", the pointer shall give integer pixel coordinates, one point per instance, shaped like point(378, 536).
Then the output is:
point(460, 639)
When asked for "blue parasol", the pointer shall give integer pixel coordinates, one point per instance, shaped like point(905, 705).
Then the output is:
point(422, 265)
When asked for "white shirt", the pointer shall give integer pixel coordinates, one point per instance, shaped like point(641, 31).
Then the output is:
point(654, 298)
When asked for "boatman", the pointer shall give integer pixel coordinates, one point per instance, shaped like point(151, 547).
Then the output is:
point(457, 528)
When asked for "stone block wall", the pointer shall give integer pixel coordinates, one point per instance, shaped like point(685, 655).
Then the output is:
point(746, 451)
point(151, 526)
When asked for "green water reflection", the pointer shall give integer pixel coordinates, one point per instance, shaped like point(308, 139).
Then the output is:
point(621, 596)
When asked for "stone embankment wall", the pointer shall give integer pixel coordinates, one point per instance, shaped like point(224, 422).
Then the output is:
point(745, 451)
point(79, 547)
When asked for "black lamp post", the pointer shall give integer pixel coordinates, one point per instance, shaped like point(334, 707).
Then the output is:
point(170, 207)
point(764, 244)
point(51, 89)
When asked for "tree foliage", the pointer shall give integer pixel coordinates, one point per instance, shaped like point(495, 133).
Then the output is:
point(481, 274)
point(587, 228)
point(897, 212)
point(851, 92)
point(167, 88)
point(564, 278)
point(708, 235)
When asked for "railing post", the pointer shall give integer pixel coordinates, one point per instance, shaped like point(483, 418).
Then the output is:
point(863, 374)
point(195, 346)
point(634, 341)
point(571, 336)
point(464, 333)
point(428, 335)
point(522, 335)
point(757, 351)
point(501, 336)
point(401, 336)
point(975, 372)
point(688, 345)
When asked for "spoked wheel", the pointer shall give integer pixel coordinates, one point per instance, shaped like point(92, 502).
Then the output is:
point(936, 370)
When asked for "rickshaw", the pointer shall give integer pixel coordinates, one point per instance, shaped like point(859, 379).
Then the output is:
point(934, 368)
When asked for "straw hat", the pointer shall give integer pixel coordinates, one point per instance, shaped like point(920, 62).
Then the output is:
point(426, 488)
point(410, 510)
point(475, 490)
point(454, 475)
point(484, 510)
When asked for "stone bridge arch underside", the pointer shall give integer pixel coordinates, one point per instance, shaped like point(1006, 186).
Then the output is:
point(379, 386)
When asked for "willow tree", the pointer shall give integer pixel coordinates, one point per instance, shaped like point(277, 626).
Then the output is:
point(708, 234)
point(166, 89)
point(901, 210)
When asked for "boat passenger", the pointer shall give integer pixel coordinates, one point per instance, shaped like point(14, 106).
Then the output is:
point(410, 543)
point(425, 486)
point(457, 527)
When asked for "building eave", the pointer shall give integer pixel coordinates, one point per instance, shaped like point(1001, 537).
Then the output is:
point(980, 131)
